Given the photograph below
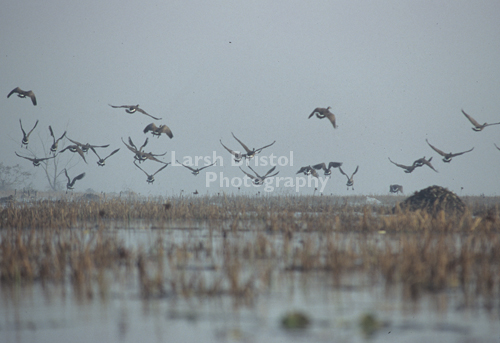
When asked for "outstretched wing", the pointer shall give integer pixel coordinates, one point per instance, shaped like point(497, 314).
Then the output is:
point(159, 170)
point(188, 167)
point(440, 152)
point(15, 90)
point(334, 164)
point(320, 166)
point(249, 175)
point(200, 169)
point(472, 120)
point(260, 149)
point(114, 152)
point(461, 153)
point(150, 127)
point(144, 112)
point(243, 145)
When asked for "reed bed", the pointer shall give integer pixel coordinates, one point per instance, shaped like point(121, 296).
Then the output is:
point(248, 244)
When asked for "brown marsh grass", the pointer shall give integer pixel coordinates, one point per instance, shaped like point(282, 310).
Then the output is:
point(248, 243)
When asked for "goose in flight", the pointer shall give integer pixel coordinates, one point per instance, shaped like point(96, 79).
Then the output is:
point(26, 137)
point(308, 170)
point(71, 183)
point(328, 171)
point(23, 94)
point(134, 108)
point(36, 161)
point(253, 152)
point(396, 189)
point(350, 180)
point(102, 161)
point(53, 148)
point(259, 180)
point(477, 127)
point(151, 177)
point(408, 169)
point(141, 155)
point(74, 148)
point(158, 130)
point(324, 113)
point(237, 155)
point(447, 156)
point(197, 170)
point(87, 146)
point(421, 161)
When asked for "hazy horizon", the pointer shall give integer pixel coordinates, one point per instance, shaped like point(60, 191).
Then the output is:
point(395, 74)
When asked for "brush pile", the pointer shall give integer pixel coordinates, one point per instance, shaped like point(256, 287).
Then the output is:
point(434, 199)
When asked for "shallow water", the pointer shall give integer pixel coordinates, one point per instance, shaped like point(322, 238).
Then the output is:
point(52, 313)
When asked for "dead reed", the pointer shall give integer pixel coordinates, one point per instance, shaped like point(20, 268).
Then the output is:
point(247, 244)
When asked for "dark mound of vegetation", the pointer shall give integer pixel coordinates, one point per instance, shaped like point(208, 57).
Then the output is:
point(434, 199)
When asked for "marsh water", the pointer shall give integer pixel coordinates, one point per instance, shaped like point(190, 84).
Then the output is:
point(197, 299)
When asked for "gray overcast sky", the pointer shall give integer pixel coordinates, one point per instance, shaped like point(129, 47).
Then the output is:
point(395, 73)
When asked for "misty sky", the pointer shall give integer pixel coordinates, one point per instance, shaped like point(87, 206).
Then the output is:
point(394, 72)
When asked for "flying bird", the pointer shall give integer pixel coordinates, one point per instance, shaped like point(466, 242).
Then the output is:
point(134, 108)
point(324, 113)
point(447, 156)
point(259, 180)
point(71, 183)
point(23, 94)
point(496, 146)
point(158, 130)
point(53, 148)
point(396, 189)
point(197, 170)
point(477, 127)
point(308, 170)
point(36, 161)
point(350, 180)
point(237, 155)
point(102, 161)
point(408, 169)
point(87, 146)
point(253, 152)
point(151, 177)
point(421, 161)
point(74, 148)
point(26, 137)
point(328, 171)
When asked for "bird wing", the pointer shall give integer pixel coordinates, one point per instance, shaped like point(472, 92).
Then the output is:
point(159, 170)
point(166, 129)
point(355, 171)
point(141, 168)
point(66, 173)
point(29, 133)
point(32, 96)
point(15, 90)
point(144, 112)
point(114, 152)
point(200, 169)
point(316, 110)
point(461, 153)
point(269, 172)
point(80, 152)
point(260, 149)
point(95, 152)
point(188, 167)
point(24, 133)
point(243, 145)
point(98, 146)
point(342, 172)
point(232, 152)
point(472, 120)
point(145, 143)
point(397, 164)
point(331, 117)
point(52, 133)
point(31, 159)
point(64, 134)
point(79, 177)
point(440, 152)
point(75, 142)
point(334, 164)
point(122, 106)
point(302, 169)
point(496, 146)
point(133, 149)
point(150, 127)
point(320, 166)
point(249, 175)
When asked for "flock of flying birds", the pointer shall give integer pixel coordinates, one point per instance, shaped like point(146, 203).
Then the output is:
point(140, 155)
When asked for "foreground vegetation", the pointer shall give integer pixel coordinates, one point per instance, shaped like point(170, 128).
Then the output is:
point(241, 246)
